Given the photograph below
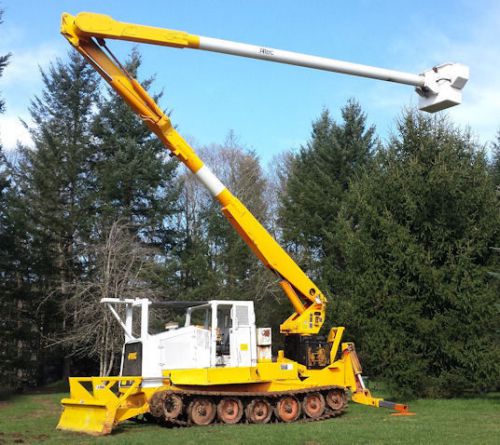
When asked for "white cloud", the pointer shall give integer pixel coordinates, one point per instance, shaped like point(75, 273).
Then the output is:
point(481, 98)
point(12, 34)
point(480, 108)
point(23, 65)
point(476, 46)
point(21, 77)
point(21, 80)
point(13, 132)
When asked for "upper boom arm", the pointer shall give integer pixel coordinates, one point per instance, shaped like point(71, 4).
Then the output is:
point(439, 87)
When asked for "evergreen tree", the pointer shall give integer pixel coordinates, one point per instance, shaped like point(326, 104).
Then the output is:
point(318, 180)
point(495, 164)
point(190, 269)
point(319, 177)
point(17, 364)
point(135, 179)
point(415, 231)
point(55, 181)
point(132, 191)
point(15, 356)
point(6, 283)
point(4, 174)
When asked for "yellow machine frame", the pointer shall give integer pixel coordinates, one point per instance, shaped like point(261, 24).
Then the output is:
point(95, 405)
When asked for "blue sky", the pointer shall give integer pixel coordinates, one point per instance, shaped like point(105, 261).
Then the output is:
point(271, 106)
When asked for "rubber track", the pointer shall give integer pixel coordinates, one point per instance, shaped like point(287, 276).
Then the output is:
point(329, 413)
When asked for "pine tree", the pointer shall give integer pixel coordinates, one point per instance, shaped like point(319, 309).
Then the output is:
point(495, 164)
point(17, 365)
point(320, 175)
point(15, 356)
point(135, 179)
point(55, 181)
point(4, 174)
point(131, 191)
point(415, 231)
point(318, 180)
point(189, 268)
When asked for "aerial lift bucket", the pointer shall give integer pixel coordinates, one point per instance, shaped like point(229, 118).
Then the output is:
point(96, 404)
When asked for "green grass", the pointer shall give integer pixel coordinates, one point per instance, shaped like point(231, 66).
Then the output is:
point(31, 419)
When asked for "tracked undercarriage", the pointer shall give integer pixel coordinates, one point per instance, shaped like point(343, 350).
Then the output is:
point(192, 407)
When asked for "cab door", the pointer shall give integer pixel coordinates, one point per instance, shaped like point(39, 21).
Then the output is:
point(242, 338)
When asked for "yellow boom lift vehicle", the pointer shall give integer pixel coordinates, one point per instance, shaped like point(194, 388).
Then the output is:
point(223, 370)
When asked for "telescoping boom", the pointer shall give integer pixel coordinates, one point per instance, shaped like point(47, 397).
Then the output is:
point(439, 87)
point(223, 370)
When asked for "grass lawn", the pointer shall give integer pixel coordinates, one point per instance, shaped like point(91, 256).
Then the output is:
point(31, 419)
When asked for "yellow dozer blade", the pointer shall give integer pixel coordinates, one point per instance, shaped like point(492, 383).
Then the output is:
point(97, 404)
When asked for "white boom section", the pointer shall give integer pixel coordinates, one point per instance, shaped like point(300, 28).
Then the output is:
point(439, 88)
point(321, 63)
point(210, 181)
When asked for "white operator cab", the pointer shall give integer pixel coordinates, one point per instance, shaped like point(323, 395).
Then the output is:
point(216, 333)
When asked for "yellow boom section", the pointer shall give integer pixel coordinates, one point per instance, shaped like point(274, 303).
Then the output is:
point(307, 300)
point(103, 26)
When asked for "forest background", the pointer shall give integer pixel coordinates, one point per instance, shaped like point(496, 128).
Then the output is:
point(401, 235)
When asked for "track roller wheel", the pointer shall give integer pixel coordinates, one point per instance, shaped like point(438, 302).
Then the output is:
point(259, 411)
point(201, 411)
point(288, 409)
point(313, 405)
point(156, 404)
point(336, 399)
point(172, 406)
point(230, 410)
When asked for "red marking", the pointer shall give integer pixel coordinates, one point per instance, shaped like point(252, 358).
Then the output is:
point(402, 410)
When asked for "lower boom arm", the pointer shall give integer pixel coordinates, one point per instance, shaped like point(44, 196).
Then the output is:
point(308, 302)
